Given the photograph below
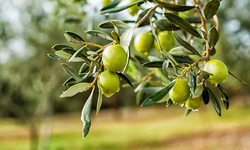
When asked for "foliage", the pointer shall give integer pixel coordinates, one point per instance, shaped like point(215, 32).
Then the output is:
point(195, 44)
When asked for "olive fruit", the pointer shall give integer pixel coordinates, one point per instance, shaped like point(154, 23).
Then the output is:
point(114, 58)
point(218, 70)
point(194, 103)
point(134, 9)
point(75, 1)
point(167, 41)
point(180, 92)
point(143, 42)
point(105, 2)
point(108, 82)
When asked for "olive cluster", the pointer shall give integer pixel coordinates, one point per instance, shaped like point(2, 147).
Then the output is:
point(180, 93)
point(114, 59)
point(144, 42)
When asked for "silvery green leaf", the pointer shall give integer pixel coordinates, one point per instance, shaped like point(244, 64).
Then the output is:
point(85, 116)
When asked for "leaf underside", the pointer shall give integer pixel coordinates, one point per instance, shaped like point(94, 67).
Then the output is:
point(158, 95)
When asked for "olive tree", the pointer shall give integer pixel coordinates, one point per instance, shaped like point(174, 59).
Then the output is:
point(170, 63)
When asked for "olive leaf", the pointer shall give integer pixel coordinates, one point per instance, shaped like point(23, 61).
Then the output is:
point(99, 34)
point(212, 51)
point(73, 56)
point(62, 55)
point(54, 56)
point(61, 46)
point(192, 81)
point(125, 78)
point(73, 90)
point(180, 51)
point(111, 5)
point(187, 112)
point(204, 34)
point(99, 101)
point(151, 90)
point(205, 95)
point(92, 53)
point(71, 72)
point(116, 37)
point(118, 9)
point(158, 95)
point(169, 102)
point(213, 37)
point(125, 41)
point(165, 66)
point(163, 74)
point(211, 8)
point(237, 77)
point(183, 24)
point(85, 116)
point(153, 64)
point(73, 20)
point(66, 82)
point(84, 77)
point(183, 59)
point(174, 7)
point(198, 91)
point(164, 24)
point(139, 91)
point(69, 51)
point(193, 19)
point(215, 102)
point(111, 23)
point(140, 86)
point(65, 54)
point(141, 15)
point(139, 97)
point(76, 54)
point(70, 35)
point(83, 68)
point(186, 45)
point(126, 38)
point(224, 96)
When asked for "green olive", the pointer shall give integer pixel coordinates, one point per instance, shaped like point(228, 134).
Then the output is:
point(105, 2)
point(143, 42)
point(218, 70)
point(134, 9)
point(109, 83)
point(167, 41)
point(114, 58)
point(194, 103)
point(180, 92)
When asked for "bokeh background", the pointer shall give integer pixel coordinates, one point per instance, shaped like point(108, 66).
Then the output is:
point(32, 116)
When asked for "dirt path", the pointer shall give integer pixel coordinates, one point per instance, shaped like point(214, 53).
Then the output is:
point(237, 139)
point(200, 131)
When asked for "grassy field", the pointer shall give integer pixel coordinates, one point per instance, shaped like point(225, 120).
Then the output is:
point(147, 128)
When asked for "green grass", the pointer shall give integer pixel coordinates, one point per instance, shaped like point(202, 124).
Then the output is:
point(144, 128)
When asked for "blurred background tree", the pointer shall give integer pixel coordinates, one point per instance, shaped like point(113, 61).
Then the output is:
point(234, 42)
point(29, 28)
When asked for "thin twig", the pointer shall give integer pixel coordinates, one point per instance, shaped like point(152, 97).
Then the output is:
point(148, 75)
point(190, 67)
point(203, 21)
point(150, 11)
point(216, 23)
point(87, 43)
